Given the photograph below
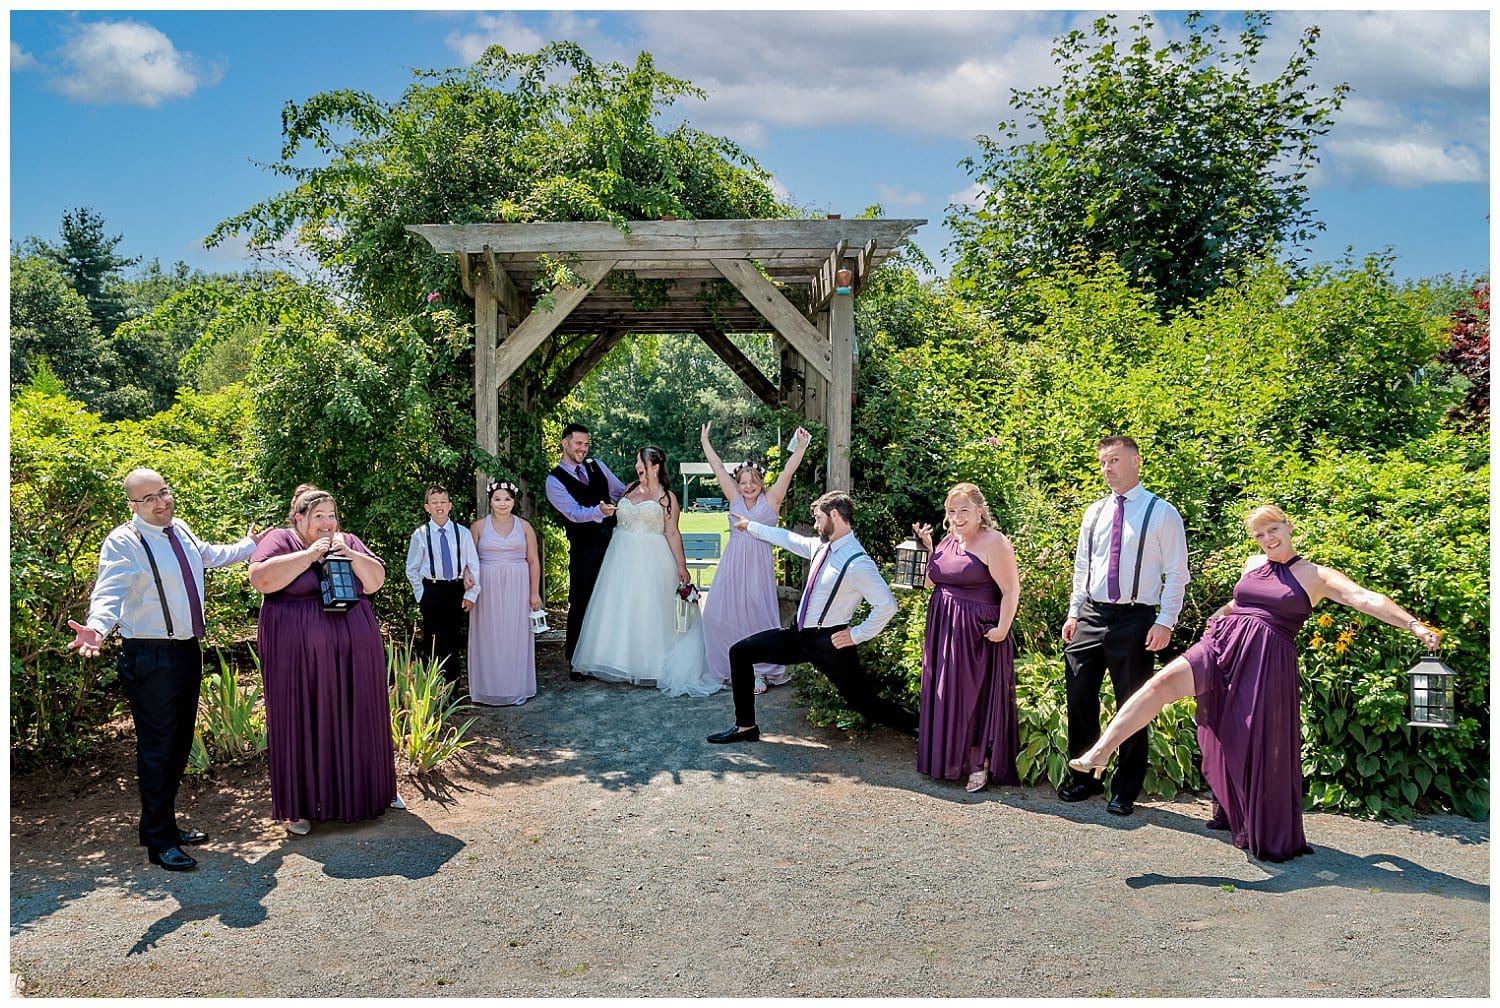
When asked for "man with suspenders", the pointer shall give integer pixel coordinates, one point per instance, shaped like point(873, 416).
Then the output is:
point(1129, 576)
point(440, 567)
point(150, 585)
point(842, 575)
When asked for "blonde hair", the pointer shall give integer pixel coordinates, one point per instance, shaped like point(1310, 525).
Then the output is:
point(1266, 514)
point(975, 496)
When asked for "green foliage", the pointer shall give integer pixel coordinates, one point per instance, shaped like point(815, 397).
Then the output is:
point(88, 261)
point(1184, 159)
point(424, 713)
point(231, 714)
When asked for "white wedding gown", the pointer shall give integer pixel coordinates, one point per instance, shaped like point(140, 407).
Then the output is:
point(629, 630)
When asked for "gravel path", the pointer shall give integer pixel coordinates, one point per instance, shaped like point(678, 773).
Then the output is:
point(593, 844)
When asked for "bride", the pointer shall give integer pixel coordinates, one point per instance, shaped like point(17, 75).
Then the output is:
point(629, 630)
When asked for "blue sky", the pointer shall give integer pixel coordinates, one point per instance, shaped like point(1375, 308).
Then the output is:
point(157, 119)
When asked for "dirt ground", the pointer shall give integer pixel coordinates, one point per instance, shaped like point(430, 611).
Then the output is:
point(592, 844)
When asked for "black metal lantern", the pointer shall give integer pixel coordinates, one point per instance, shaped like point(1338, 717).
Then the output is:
point(336, 579)
point(911, 565)
point(1430, 687)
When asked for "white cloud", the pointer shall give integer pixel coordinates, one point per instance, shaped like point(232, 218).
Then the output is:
point(969, 197)
point(897, 197)
point(128, 63)
point(20, 59)
point(1418, 112)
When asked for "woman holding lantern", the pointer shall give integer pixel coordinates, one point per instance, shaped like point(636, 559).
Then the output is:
point(502, 648)
point(328, 719)
point(1244, 673)
point(967, 727)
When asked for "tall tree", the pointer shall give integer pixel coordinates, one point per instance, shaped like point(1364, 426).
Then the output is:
point(1179, 159)
point(87, 258)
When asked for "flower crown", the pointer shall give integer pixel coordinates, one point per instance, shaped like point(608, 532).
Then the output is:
point(756, 466)
point(515, 491)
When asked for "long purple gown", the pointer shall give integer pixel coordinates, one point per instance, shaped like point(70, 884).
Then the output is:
point(967, 711)
point(742, 600)
point(328, 715)
point(502, 650)
point(1249, 720)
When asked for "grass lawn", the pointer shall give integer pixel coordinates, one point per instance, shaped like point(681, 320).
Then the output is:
point(706, 521)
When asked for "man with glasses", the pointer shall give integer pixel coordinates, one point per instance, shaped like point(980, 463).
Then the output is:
point(150, 585)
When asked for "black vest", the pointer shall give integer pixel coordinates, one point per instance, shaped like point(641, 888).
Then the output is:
point(583, 535)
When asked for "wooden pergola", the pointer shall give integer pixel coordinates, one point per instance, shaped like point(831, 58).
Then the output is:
point(784, 277)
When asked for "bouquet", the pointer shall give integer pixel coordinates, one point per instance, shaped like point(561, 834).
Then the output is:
point(687, 598)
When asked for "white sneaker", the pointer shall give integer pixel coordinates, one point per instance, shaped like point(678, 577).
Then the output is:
point(397, 803)
point(519, 702)
point(301, 827)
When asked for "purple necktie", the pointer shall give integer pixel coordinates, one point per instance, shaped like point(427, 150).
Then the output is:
point(582, 476)
point(1116, 534)
point(447, 555)
point(812, 579)
point(194, 603)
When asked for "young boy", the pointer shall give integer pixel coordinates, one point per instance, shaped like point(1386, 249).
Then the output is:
point(441, 565)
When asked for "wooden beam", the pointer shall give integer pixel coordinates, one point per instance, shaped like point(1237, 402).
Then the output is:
point(839, 408)
point(489, 330)
point(538, 325)
point(563, 237)
point(585, 362)
point(777, 310)
point(742, 366)
point(505, 289)
point(464, 276)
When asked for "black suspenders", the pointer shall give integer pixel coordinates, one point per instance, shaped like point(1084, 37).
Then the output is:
point(432, 557)
point(161, 595)
point(836, 583)
point(1140, 547)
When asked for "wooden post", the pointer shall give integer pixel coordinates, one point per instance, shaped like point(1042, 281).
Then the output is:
point(490, 326)
point(838, 404)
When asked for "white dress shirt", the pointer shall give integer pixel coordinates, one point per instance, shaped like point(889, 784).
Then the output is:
point(125, 594)
point(862, 582)
point(419, 564)
point(1163, 556)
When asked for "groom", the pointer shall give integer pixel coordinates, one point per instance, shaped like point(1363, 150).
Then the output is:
point(842, 576)
point(582, 490)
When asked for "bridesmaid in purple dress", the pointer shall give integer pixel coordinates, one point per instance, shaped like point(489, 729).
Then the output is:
point(967, 725)
point(328, 716)
point(1244, 674)
point(502, 651)
point(742, 601)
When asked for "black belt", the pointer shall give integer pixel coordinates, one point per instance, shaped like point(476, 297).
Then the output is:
point(442, 580)
point(824, 629)
point(156, 641)
point(1118, 606)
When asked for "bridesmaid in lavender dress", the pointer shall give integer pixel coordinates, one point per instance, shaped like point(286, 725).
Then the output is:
point(1244, 674)
point(967, 725)
point(502, 651)
point(742, 600)
point(328, 718)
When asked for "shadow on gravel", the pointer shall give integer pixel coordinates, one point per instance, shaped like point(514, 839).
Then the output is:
point(1327, 866)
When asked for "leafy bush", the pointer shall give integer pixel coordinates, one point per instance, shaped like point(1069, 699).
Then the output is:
point(423, 710)
point(231, 714)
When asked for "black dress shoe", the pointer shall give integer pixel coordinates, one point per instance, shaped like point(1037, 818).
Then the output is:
point(1120, 806)
point(736, 734)
point(191, 836)
point(1078, 790)
point(172, 859)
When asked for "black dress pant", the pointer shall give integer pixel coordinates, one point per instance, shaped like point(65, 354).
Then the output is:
point(1109, 637)
point(162, 679)
point(583, 571)
point(445, 625)
point(789, 646)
